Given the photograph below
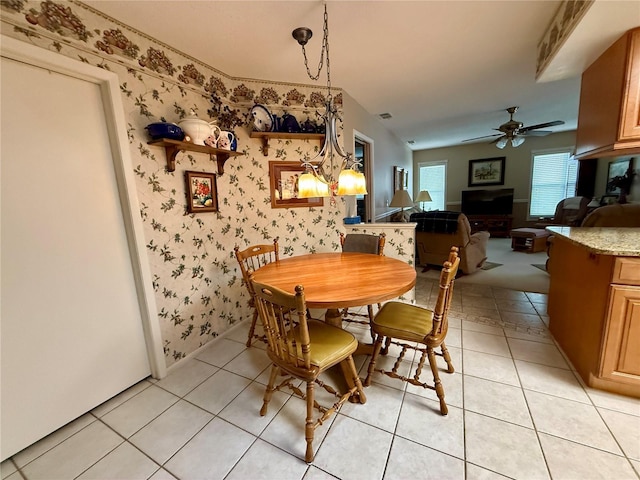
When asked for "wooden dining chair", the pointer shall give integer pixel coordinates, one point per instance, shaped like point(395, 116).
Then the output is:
point(424, 330)
point(252, 258)
point(361, 243)
point(303, 349)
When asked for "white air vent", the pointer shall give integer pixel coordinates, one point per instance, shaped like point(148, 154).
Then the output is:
point(385, 116)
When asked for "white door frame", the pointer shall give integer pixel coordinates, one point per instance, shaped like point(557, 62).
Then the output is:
point(368, 172)
point(116, 125)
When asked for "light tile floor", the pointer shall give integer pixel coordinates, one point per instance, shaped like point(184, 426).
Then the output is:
point(517, 409)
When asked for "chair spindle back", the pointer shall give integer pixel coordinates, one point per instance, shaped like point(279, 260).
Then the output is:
point(284, 319)
point(441, 309)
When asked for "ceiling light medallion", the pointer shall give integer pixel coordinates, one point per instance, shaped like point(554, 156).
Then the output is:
point(318, 179)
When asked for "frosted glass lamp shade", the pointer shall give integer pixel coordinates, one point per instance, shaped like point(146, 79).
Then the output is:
point(348, 182)
point(517, 141)
point(310, 187)
point(361, 184)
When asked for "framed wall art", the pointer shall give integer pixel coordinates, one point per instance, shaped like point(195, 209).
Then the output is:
point(400, 179)
point(284, 186)
point(617, 168)
point(202, 194)
point(486, 171)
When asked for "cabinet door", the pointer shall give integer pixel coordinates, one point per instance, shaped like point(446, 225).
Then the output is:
point(630, 114)
point(620, 359)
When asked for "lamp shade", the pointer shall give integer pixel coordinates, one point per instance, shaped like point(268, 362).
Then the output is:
point(517, 141)
point(502, 142)
point(361, 184)
point(423, 196)
point(401, 199)
point(348, 182)
point(310, 187)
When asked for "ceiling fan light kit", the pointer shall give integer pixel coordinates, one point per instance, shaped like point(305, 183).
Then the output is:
point(514, 131)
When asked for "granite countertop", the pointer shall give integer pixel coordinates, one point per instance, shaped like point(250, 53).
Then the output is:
point(623, 242)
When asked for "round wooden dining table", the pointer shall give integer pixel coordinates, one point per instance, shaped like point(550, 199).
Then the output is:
point(337, 280)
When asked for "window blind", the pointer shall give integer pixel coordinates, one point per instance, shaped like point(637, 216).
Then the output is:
point(553, 178)
point(433, 179)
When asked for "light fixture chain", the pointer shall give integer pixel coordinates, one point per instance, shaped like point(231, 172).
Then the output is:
point(325, 49)
point(325, 46)
point(316, 76)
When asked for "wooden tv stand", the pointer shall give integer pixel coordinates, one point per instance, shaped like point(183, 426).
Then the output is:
point(496, 225)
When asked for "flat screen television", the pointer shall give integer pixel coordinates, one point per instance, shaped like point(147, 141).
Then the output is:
point(487, 202)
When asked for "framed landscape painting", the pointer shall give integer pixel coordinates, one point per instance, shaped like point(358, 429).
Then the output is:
point(486, 171)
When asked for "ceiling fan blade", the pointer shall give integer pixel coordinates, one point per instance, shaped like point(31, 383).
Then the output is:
point(480, 138)
point(541, 125)
point(535, 133)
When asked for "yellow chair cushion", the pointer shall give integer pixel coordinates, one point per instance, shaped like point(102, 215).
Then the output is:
point(329, 345)
point(403, 321)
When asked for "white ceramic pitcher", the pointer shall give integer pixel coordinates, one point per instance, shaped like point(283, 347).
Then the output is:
point(227, 140)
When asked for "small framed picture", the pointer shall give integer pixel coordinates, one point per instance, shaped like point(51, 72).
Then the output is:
point(284, 186)
point(202, 194)
point(609, 199)
point(486, 171)
point(399, 179)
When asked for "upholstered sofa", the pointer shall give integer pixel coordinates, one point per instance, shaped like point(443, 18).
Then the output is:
point(438, 231)
point(625, 215)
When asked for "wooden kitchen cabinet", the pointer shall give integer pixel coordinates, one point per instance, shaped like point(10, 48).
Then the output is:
point(609, 114)
point(621, 338)
point(594, 314)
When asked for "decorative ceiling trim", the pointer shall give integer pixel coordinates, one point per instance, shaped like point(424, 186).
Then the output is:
point(568, 16)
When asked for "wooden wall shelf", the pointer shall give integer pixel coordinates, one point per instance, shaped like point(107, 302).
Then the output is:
point(266, 136)
point(172, 147)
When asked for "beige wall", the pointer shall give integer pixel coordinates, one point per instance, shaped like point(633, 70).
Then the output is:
point(517, 167)
point(389, 151)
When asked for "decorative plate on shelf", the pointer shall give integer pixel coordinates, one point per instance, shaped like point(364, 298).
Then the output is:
point(262, 118)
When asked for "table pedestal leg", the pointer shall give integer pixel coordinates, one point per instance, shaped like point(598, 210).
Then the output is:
point(333, 317)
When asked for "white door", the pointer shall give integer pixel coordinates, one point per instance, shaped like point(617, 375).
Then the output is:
point(71, 321)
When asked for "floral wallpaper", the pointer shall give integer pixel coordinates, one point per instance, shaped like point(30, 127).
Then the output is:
point(196, 279)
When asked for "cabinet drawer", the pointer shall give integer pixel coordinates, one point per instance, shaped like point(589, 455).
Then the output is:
point(626, 271)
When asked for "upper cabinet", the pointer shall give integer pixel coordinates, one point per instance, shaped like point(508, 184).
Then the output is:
point(609, 115)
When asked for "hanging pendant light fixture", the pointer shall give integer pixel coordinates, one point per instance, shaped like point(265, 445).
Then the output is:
point(319, 177)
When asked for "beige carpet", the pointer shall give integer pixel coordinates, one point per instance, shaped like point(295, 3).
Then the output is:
point(516, 271)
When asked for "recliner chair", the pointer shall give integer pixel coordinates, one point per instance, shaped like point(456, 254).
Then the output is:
point(570, 211)
point(438, 231)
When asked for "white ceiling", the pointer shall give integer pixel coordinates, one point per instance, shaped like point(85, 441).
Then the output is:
point(445, 70)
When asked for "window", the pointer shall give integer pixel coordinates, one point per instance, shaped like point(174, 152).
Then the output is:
point(553, 178)
point(433, 178)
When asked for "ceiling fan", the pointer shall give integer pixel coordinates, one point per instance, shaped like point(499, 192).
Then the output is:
point(515, 132)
